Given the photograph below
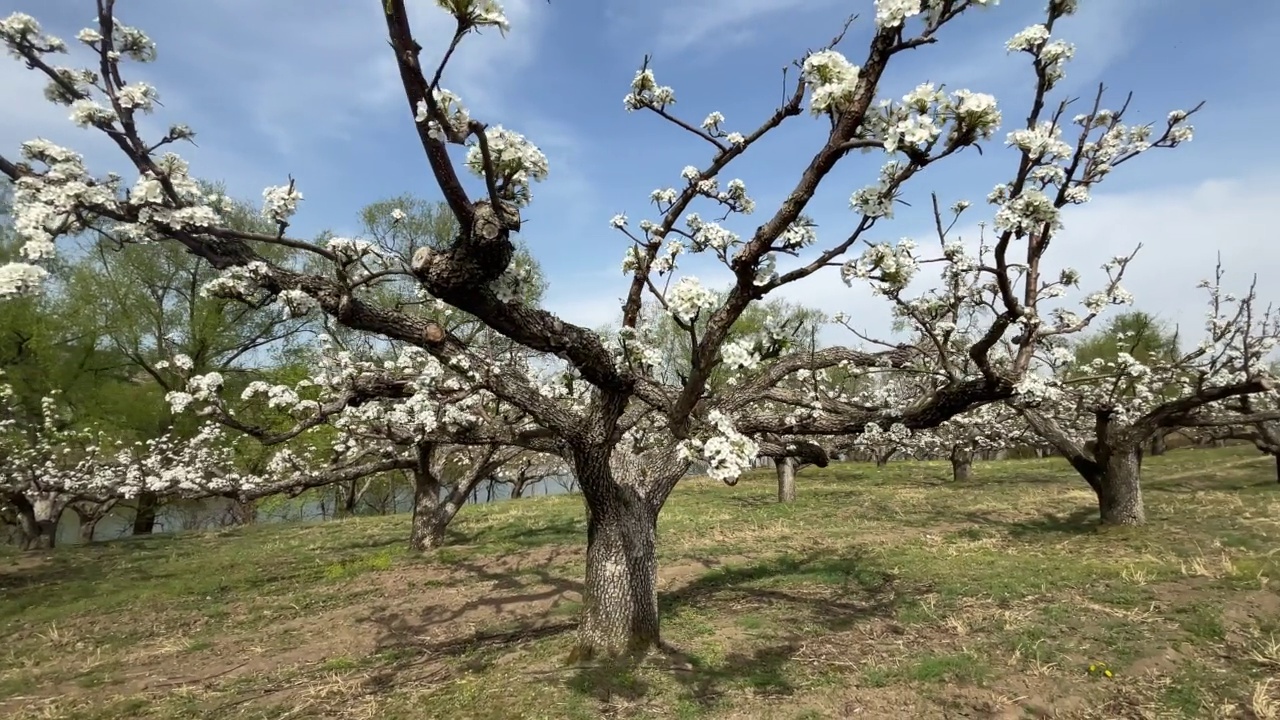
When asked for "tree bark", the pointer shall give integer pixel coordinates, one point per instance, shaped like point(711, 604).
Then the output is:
point(431, 514)
point(350, 498)
point(518, 487)
point(436, 503)
point(1114, 471)
point(961, 464)
point(620, 602)
point(1120, 495)
point(38, 519)
point(90, 514)
point(786, 468)
point(624, 488)
point(144, 518)
point(883, 459)
point(1159, 444)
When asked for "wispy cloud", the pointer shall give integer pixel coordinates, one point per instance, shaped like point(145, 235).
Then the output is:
point(714, 24)
point(1183, 230)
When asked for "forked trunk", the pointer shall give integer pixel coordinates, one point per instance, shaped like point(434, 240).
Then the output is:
point(961, 464)
point(90, 514)
point(883, 459)
point(1111, 463)
point(350, 498)
point(1120, 487)
point(624, 491)
point(429, 512)
point(518, 488)
point(434, 509)
point(620, 603)
point(37, 534)
point(38, 519)
point(786, 468)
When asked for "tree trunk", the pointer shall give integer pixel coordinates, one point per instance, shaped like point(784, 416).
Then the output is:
point(38, 519)
point(624, 488)
point(350, 497)
point(90, 514)
point(518, 488)
point(432, 513)
point(87, 526)
point(883, 459)
point(427, 532)
point(961, 464)
point(1120, 488)
point(1114, 471)
point(620, 602)
point(144, 518)
point(1159, 445)
point(786, 479)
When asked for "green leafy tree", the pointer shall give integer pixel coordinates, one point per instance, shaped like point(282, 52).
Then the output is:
point(1140, 334)
point(149, 305)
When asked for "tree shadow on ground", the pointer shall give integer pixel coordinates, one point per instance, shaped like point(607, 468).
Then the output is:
point(818, 592)
point(832, 594)
point(515, 591)
point(562, 531)
point(1081, 521)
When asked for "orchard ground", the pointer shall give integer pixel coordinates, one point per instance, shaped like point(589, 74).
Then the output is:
point(888, 593)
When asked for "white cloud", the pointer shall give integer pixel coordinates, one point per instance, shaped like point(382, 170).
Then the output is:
point(301, 73)
point(681, 25)
point(1182, 228)
point(326, 74)
point(1102, 33)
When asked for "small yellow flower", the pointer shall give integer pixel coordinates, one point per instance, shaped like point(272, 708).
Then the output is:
point(1107, 673)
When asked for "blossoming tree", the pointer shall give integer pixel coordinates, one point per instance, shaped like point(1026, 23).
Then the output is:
point(49, 463)
point(1257, 420)
point(629, 436)
point(353, 417)
point(1119, 403)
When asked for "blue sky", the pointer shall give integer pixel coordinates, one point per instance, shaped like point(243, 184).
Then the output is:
point(309, 88)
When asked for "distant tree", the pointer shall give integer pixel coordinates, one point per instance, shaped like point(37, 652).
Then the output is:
point(151, 304)
point(1100, 412)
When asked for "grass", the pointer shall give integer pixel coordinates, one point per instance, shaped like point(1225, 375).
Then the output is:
point(880, 593)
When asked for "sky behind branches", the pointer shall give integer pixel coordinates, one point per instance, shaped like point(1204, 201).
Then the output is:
point(309, 88)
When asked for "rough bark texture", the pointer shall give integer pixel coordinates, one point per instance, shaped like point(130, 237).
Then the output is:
point(620, 612)
point(427, 531)
point(961, 464)
point(1112, 468)
point(38, 519)
point(435, 501)
point(623, 489)
point(1120, 495)
point(786, 479)
point(430, 511)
